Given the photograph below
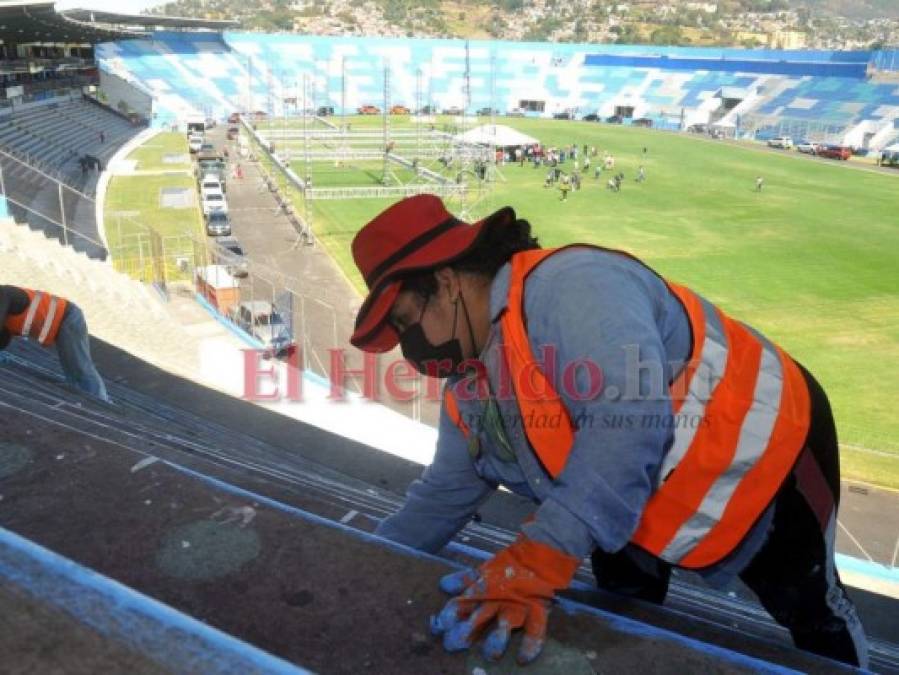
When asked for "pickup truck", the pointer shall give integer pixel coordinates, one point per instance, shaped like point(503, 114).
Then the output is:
point(214, 166)
point(212, 201)
point(210, 183)
point(782, 142)
point(231, 255)
point(259, 319)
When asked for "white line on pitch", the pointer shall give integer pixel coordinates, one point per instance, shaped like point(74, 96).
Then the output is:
point(349, 516)
point(855, 541)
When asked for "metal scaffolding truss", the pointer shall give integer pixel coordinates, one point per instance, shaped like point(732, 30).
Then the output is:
point(383, 191)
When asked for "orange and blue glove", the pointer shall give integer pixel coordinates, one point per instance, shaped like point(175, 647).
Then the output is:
point(514, 589)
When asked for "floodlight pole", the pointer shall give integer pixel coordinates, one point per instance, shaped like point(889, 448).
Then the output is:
point(269, 86)
point(467, 82)
point(493, 89)
point(418, 114)
point(305, 141)
point(386, 122)
point(249, 102)
point(343, 93)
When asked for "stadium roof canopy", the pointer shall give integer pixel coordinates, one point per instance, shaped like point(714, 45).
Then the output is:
point(145, 21)
point(22, 22)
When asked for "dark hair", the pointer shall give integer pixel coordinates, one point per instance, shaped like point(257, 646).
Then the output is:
point(503, 236)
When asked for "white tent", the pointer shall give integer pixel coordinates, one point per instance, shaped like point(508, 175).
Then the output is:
point(498, 135)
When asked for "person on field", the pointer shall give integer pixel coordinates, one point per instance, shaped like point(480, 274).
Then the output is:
point(51, 320)
point(564, 186)
point(759, 181)
point(653, 430)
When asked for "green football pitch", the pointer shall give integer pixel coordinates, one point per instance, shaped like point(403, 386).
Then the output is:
point(812, 260)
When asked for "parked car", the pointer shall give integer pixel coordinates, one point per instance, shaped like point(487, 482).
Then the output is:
point(368, 110)
point(325, 111)
point(210, 123)
point(486, 112)
point(698, 128)
point(564, 115)
point(214, 166)
point(592, 117)
point(890, 156)
point(834, 152)
point(642, 122)
point(782, 142)
point(615, 119)
point(231, 255)
point(453, 110)
point(427, 110)
point(234, 118)
point(259, 319)
point(399, 110)
point(210, 183)
point(807, 147)
point(515, 112)
point(218, 224)
point(213, 200)
point(194, 143)
point(206, 148)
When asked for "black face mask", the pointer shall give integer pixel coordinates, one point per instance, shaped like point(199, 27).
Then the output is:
point(434, 360)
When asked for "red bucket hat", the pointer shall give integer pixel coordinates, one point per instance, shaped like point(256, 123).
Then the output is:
point(414, 235)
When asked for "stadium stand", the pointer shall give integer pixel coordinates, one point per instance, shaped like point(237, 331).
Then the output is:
point(192, 517)
point(739, 89)
point(119, 310)
point(55, 134)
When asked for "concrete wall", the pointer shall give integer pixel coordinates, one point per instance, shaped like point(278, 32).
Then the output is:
point(124, 96)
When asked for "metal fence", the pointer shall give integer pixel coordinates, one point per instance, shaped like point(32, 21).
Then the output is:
point(137, 249)
point(762, 127)
point(48, 204)
point(228, 283)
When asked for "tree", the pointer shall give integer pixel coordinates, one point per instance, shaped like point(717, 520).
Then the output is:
point(667, 35)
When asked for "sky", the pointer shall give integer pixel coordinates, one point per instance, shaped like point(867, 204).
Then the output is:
point(123, 6)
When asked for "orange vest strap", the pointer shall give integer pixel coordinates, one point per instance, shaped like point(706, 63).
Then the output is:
point(452, 409)
point(536, 396)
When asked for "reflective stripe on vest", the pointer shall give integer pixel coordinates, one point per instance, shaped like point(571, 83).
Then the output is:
point(746, 408)
point(41, 320)
point(452, 409)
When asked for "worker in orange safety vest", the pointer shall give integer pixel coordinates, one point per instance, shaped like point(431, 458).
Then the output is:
point(50, 320)
point(654, 430)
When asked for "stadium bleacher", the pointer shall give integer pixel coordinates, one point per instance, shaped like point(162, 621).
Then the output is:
point(193, 73)
point(57, 133)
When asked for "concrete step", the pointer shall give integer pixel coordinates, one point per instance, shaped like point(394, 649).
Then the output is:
point(118, 309)
point(140, 487)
